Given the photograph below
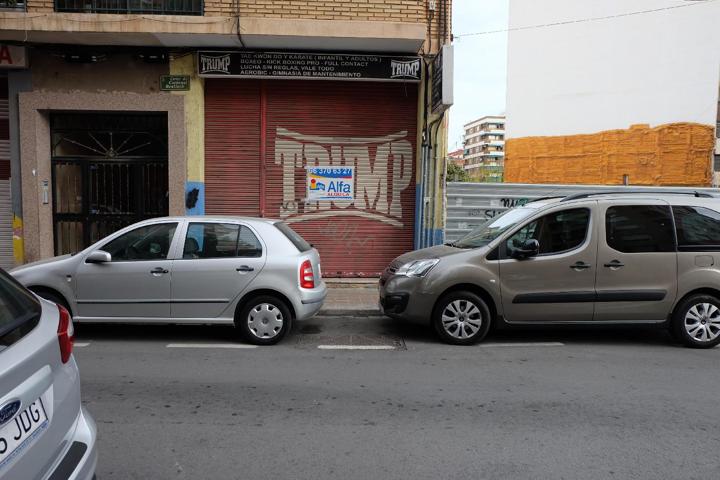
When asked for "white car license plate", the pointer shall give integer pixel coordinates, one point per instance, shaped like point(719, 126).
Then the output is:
point(21, 431)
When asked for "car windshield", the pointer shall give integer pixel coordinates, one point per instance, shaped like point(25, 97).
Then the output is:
point(493, 228)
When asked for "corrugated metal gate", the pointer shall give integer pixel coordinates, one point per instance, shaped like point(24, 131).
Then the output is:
point(7, 259)
point(468, 204)
point(294, 124)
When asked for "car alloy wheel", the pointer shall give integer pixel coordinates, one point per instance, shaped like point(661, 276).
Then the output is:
point(696, 321)
point(462, 319)
point(702, 322)
point(265, 321)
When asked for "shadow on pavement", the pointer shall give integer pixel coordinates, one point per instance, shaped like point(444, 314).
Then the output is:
point(591, 334)
point(156, 333)
point(569, 335)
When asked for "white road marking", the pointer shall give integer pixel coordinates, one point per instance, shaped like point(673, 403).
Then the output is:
point(520, 344)
point(356, 347)
point(81, 344)
point(209, 345)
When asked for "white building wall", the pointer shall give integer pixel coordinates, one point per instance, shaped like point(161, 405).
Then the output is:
point(655, 68)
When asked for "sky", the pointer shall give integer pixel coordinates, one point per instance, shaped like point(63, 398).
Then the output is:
point(480, 63)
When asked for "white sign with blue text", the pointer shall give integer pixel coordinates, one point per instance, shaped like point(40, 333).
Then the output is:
point(330, 183)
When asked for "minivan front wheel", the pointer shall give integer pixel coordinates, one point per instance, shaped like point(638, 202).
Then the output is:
point(696, 321)
point(264, 320)
point(461, 318)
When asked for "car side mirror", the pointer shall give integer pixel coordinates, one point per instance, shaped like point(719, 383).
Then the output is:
point(98, 256)
point(529, 249)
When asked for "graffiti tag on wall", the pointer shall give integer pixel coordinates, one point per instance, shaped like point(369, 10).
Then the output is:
point(383, 169)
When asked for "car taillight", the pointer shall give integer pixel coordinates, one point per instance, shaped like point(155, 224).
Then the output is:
point(66, 334)
point(307, 278)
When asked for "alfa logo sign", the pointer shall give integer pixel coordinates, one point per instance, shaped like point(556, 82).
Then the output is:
point(330, 183)
point(12, 56)
point(309, 66)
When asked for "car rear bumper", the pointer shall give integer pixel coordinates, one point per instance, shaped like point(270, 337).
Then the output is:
point(311, 301)
point(80, 459)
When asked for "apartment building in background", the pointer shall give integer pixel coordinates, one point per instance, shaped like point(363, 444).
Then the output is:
point(114, 111)
point(484, 148)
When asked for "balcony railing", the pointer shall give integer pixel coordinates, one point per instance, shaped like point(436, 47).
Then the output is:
point(12, 5)
point(156, 7)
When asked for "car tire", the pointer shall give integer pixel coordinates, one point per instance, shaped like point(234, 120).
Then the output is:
point(264, 320)
point(461, 318)
point(696, 321)
point(52, 297)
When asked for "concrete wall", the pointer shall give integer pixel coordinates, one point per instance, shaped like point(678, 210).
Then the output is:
point(659, 69)
point(369, 25)
point(194, 100)
point(120, 84)
point(119, 73)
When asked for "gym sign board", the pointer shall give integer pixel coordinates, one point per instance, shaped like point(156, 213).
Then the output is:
point(309, 66)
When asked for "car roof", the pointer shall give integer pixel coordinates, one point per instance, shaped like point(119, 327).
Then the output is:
point(689, 197)
point(212, 218)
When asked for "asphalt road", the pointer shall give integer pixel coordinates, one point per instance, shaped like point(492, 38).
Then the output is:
point(573, 404)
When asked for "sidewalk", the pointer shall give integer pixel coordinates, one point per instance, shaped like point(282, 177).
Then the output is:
point(351, 296)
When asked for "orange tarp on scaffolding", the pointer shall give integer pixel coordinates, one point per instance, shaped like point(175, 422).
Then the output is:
point(672, 154)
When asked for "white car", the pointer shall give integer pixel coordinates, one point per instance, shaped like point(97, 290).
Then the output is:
point(45, 433)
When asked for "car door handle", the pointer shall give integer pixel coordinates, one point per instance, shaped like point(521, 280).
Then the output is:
point(245, 269)
point(614, 264)
point(580, 266)
point(159, 271)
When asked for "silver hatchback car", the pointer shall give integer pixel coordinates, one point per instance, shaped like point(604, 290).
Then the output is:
point(257, 274)
point(44, 431)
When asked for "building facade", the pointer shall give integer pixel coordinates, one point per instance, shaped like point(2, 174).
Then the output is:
point(612, 92)
point(484, 154)
point(456, 157)
point(122, 112)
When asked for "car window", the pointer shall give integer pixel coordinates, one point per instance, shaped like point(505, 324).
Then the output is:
point(698, 228)
point(17, 308)
point(639, 229)
point(556, 232)
point(220, 240)
point(151, 242)
point(294, 237)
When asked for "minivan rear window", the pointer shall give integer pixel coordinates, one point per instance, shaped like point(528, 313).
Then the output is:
point(294, 237)
point(19, 310)
point(698, 229)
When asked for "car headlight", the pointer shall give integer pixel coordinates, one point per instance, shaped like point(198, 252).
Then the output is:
point(417, 268)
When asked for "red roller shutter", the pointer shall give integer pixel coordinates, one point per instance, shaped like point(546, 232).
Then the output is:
point(4, 130)
point(232, 153)
point(371, 126)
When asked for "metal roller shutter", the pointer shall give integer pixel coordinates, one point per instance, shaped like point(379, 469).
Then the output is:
point(371, 126)
point(7, 259)
point(232, 153)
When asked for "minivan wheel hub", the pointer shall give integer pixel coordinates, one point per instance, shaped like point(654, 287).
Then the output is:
point(461, 319)
point(265, 320)
point(702, 322)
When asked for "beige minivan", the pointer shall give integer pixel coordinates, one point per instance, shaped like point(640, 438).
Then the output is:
point(644, 258)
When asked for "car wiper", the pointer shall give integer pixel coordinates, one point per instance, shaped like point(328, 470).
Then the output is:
point(455, 245)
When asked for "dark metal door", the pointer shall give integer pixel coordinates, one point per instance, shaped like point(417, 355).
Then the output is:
point(109, 171)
